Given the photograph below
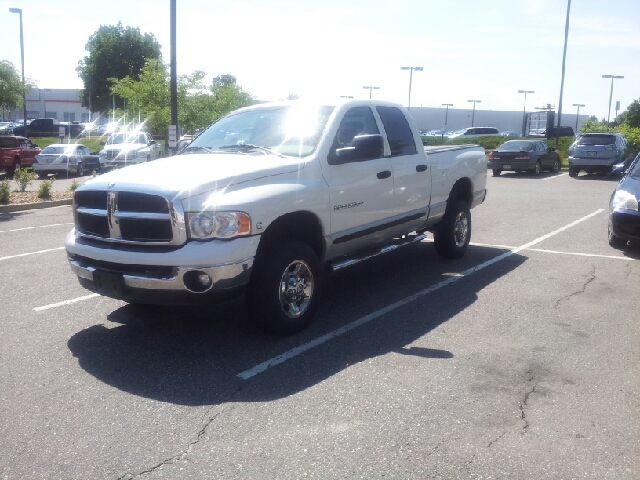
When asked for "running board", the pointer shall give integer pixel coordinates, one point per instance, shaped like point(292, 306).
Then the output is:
point(397, 243)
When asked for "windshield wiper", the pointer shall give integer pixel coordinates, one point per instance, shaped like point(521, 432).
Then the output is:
point(242, 147)
point(195, 149)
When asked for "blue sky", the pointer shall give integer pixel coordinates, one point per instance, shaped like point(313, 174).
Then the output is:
point(486, 50)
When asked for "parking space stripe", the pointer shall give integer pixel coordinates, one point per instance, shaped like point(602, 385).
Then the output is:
point(555, 176)
point(40, 226)
point(277, 360)
point(615, 257)
point(32, 253)
point(66, 302)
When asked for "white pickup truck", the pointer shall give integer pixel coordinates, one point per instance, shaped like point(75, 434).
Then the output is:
point(129, 148)
point(268, 200)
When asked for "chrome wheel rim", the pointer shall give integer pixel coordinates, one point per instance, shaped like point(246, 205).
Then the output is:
point(461, 229)
point(537, 168)
point(296, 289)
point(556, 167)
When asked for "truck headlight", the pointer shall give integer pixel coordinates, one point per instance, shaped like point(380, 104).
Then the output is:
point(209, 225)
point(624, 200)
point(143, 153)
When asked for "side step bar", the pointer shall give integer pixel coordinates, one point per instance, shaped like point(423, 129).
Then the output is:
point(397, 243)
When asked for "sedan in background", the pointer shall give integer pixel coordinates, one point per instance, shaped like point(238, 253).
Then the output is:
point(624, 219)
point(524, 155)
point(66, 158)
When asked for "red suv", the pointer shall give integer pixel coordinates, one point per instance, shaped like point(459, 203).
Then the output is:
point(16, 152)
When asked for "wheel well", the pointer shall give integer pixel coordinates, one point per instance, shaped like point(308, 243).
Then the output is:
point(462, 190)
point(302, 226)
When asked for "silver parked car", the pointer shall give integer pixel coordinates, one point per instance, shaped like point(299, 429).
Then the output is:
point(6, 128)
point(69, 158)
point(597, 152)
point(475, 132)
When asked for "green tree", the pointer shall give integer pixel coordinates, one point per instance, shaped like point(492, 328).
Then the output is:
point(632, 114)
point(115, 52)
point(11, 86)
point(198, 105)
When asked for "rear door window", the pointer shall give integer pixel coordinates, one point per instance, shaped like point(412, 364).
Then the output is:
point(399, 133)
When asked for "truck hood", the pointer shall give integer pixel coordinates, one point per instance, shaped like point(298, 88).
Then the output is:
point(189, 175)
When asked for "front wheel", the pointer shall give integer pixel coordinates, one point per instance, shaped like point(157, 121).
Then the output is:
point(496, 172)
point(80, 170)
point(452, 236)
point(285, 288)
point(615, 242)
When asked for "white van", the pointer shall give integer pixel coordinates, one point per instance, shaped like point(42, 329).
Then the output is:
point(473, 132)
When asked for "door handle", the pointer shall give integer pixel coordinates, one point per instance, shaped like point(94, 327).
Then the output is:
point(383, 175)
point(421, 168)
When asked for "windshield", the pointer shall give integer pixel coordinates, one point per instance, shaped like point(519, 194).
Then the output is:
point(291, 130)
point(515, 146)
point(127, 138)
point(597, 140)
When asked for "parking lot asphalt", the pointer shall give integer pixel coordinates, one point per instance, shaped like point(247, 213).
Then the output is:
point(520, 360)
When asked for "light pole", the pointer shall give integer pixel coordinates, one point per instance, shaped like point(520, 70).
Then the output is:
point(524, 111)
point(446, 116)
point(611, 93)
point(24, 93)
point(578, 114)
point(371, 88)
point(473, 116)
point(417, 69)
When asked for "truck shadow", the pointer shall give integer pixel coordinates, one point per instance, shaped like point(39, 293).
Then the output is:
point(193, 356)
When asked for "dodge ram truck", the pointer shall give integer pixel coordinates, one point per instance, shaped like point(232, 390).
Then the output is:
point(268, 200)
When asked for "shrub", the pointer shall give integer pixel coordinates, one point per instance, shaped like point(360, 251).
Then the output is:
point(74, 185)
point(44, 191)
point(24, 177)
point(5, 191)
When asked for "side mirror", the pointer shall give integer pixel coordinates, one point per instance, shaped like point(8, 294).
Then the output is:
point(552, 149)
point(152, 142)
point(363, 147)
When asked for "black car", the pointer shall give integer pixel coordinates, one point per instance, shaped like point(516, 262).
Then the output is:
point(624, 218)
point(521, 155)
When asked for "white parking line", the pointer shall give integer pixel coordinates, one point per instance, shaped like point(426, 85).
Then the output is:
point(555, 176)
point(66, 302)
point(32, 228)
point(31, 253)
point(615, 257)
point(272, 362)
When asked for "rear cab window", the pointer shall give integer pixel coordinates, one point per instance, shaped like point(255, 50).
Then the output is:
point(399, 133)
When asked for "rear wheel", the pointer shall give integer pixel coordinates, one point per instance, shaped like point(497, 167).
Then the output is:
point(556, 166)
point(12, 170)
point(285, 288)
point(496, 172)
point(538, 168)
point(573, 171)
point(452, 236)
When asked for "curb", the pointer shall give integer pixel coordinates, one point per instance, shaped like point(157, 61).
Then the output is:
point(19, 207)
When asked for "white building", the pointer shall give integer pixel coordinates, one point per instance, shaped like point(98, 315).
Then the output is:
point(61, 104)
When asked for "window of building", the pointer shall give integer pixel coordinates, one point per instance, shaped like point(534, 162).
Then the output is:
point(51, 115)
point(86, 117)
point(69, 116)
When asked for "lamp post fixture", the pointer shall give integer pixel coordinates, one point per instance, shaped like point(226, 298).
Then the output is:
point(524, 111)
point(446, 116)
point(473, 116)
point(24, 93)
point(578, 114)
point(371, 88)
point(611, 93)
point(411, 69)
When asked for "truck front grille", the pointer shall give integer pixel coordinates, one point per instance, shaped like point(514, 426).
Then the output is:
point(129, 217)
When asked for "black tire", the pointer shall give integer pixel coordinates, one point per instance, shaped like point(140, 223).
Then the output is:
point(615, 242)
point(496, 172)
point(538, 168)
point(80, 170)
point(573, 171)
point(12, 170)
point(452, 236)
point(281, 310)
point(556, 166)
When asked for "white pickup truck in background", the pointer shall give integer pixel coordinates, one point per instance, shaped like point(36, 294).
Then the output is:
point(268, 200)
point(129, 148)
